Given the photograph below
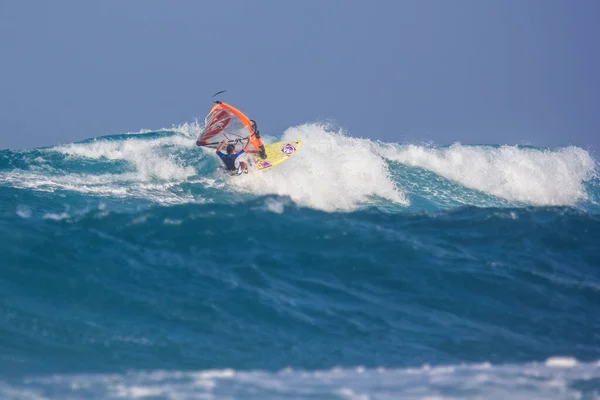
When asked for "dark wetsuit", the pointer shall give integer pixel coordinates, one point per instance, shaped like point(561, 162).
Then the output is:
point(232, 164)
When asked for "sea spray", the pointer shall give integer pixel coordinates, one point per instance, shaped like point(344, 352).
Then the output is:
point(525, 175)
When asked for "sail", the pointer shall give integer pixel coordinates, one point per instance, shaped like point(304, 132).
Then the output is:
point(225, 122)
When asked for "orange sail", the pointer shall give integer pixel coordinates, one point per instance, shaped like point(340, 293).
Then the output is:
point(225, 122)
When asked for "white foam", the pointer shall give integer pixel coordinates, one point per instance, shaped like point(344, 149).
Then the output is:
point(347, 393)
point(155, 169)
point(514, 381)
point(56, 217)
point(148, 157)
point(24, 212)
point(114, 185)
point(330, 172)
point(276, 206)
point(533, 176)
point(188, 129)
point(561, 362)
point(138, 392)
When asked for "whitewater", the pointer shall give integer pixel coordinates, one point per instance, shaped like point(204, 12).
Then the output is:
point(359, 269)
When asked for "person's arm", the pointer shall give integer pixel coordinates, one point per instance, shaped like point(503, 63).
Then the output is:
point(247, 145)
point(221, 145)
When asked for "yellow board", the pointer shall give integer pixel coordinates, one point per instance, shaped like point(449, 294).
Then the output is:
point(276, 154)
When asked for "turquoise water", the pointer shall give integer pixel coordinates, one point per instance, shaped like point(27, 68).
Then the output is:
point(132, 268)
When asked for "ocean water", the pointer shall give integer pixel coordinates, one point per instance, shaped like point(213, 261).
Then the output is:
point(131, 267)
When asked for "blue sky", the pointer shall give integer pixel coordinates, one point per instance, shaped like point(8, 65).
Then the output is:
point(502, 72)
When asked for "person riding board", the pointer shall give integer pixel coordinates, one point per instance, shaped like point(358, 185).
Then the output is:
point(255, 132)
point(230, 160)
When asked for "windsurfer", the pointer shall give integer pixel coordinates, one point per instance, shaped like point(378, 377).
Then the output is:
point(225, 122)
point(230, 159)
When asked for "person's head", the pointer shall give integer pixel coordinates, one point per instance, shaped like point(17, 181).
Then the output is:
point(230, 148)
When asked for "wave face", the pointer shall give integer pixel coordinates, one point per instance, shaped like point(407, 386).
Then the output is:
point(132, 268)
